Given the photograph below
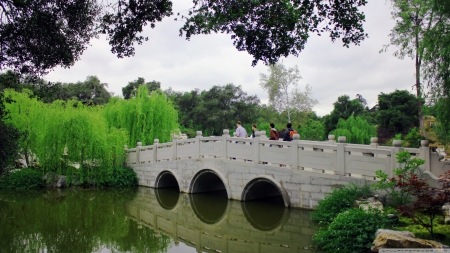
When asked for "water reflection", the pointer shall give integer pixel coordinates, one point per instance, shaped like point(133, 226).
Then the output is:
point(146, 220)
point(261, 220)
point(167, 197)
point(209, 207)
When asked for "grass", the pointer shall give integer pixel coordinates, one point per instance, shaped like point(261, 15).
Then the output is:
point(440, 228)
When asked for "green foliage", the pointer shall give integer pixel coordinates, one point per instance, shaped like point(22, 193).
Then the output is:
point(343, 109)
point(268, 32)
point(284, 94)
point(123, 177)
point(21, 180)
point(9, 139)
point(130, 90)
point(351, 231)
point(357, 130)
point(62, 134)
point(397, 111)
point(413, 138)
point(214, 110)
point(144, 117)
point(397, 196)
point(339, 201)
point(313, 130)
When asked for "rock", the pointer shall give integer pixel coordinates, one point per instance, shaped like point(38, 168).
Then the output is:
point(55, 180)
point(393, 217)
point(370, 203)
point(61, 182)
point(446, 210)
point(390, 239)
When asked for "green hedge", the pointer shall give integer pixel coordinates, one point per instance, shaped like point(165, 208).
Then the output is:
point(351, 231)
point(21, 180)
point(339, 201)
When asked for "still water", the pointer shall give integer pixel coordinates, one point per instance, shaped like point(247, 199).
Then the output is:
point(147, 220)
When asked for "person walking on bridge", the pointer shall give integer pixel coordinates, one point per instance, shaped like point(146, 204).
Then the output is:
point(273, 132)
point(288, 135)
point(240, 131)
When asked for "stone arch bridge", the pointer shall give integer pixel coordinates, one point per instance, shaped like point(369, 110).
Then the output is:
point(298, 172)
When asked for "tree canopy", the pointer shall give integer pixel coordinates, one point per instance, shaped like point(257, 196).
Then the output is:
point(42, 34)
point(269, 29)
point(284, 94)
point(343, 109)
point(216, 109)
point(130, 90)
point(397, 112)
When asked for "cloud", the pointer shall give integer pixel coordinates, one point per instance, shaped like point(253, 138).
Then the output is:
point(208, 60)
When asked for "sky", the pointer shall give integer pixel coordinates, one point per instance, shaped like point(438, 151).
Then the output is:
point(207, 60)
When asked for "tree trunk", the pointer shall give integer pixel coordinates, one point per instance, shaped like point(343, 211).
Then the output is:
point(418, 90)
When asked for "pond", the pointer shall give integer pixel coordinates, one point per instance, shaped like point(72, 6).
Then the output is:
point(147, 220)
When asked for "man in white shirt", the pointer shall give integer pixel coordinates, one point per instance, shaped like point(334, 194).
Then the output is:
point(240, 131)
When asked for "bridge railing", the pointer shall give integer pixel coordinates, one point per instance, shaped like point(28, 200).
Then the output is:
point(323, 157)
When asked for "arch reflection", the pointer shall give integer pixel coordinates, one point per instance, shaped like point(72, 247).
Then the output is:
point(210, 207)
point(167, 197)
point(272, 218)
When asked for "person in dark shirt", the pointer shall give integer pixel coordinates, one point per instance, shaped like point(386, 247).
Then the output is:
point(287, 133)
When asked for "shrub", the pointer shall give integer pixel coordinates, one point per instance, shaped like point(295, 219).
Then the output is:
point(351, 231)
point(123, 177)
point(396, 195)
point(21, 180)
point(339, 201)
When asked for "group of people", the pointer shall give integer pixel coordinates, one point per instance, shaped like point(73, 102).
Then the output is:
point(287, 134)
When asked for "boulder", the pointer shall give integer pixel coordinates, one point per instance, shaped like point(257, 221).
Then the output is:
point(391, 239)
point(61, 182)
point(446, 210)
point(370, 203)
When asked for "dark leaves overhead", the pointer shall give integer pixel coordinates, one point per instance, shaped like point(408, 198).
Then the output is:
point(269, 29)
point(127, 19)
point(38, 35)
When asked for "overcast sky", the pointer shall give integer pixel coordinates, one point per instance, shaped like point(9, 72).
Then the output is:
point(207, 60)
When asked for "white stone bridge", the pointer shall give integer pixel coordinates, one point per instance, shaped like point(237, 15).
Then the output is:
point(300, 172)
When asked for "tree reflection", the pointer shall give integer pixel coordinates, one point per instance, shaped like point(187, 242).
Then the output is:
point(73, 220)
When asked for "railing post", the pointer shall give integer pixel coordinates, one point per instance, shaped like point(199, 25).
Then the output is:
point(225, 135)
point(425, 154)
point(331, 139)
point(294, 152)
point(138, 153)
point(155, 150)
point(174, 146)
point(197, 145)
point(374, 142)
point(396, 149)
point(256, 147)
point(340, 155)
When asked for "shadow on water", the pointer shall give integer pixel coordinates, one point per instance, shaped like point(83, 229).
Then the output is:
point(167, 197)
point(209, 207)
point(266, 214)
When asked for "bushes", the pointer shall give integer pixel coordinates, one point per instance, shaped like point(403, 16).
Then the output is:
point(21, 180)
point(123, 177)
point(339, 201)
point(351, 231)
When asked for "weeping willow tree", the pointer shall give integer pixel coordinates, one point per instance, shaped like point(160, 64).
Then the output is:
point(356, 130)
point(145, 117)
point(62, 134)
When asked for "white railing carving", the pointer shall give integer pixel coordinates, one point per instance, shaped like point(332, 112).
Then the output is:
point(323, 157)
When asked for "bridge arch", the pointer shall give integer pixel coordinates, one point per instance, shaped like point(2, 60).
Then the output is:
point(264, 187)
point(167, 179)
point(208, 180)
